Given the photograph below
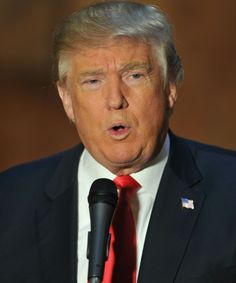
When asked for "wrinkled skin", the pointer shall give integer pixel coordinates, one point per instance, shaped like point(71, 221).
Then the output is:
point(115, 96)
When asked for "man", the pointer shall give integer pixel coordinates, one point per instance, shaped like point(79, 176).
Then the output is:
point(117, 73)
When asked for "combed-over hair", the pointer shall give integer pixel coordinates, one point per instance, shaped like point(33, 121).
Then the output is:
point(93, 25)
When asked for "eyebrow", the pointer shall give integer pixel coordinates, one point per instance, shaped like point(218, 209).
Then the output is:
point(135, 65)
point(91, 73)
point(124, 68)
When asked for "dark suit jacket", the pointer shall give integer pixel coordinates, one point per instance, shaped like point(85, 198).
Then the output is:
point(38, 219)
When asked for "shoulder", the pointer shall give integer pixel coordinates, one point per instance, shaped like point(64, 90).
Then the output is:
point(199, 147)
point(206, 151)
point(35, 173)
point(212, 161)
point(207, 148)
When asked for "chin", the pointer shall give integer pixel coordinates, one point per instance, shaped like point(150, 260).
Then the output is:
point(123, 155)
point(125, 161)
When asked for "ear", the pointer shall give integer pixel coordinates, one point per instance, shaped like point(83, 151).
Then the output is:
point(66, 100)
point(172, 95)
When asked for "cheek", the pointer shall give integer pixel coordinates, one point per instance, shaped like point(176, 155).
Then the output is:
point(88, 117)
point(83, 106)
point(153, 127)
point(152, 113)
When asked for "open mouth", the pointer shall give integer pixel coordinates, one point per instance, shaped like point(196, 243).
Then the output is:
point(118, 128)
point(119, 131)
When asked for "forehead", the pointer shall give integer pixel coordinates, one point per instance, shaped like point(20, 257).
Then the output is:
point(113, 54)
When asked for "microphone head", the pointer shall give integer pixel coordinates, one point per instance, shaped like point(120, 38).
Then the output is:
point(104, 191)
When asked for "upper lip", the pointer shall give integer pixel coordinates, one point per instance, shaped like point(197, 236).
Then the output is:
point(118, 124)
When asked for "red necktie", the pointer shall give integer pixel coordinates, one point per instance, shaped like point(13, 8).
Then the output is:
point(121, 264)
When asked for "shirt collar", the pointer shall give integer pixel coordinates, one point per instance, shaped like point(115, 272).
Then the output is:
point(148, 178)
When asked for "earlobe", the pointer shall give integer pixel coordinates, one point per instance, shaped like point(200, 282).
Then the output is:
point(66, 100)
point(172, 95)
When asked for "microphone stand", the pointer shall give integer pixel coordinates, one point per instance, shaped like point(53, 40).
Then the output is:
point(94, 280)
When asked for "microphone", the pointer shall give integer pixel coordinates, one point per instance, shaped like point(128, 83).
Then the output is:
point(102, 200)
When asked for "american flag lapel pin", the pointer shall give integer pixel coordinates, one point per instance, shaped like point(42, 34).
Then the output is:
point(187, 203)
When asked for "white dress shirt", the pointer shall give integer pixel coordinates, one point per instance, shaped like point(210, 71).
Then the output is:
point(149, 179)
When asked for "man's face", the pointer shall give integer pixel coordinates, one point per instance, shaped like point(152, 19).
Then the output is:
point(116, 98)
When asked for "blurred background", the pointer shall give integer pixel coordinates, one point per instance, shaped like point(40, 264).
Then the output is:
point(32, 121)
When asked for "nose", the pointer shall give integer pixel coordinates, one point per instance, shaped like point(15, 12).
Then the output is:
point(115, 95)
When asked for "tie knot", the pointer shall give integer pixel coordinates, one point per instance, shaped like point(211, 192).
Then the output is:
point(126, 183)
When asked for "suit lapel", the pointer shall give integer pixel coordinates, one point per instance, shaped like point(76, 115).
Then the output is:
point(171, 224)
point(57, 222)
point(168, 233)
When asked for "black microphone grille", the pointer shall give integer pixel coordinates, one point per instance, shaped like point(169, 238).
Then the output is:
point(103, 190)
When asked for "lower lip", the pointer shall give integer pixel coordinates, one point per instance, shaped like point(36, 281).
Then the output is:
point(119, 134)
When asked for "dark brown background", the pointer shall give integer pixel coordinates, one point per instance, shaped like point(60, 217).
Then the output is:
point(32, 122)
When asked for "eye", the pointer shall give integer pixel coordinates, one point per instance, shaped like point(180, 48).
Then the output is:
point(136, 76)
point(91, 84)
